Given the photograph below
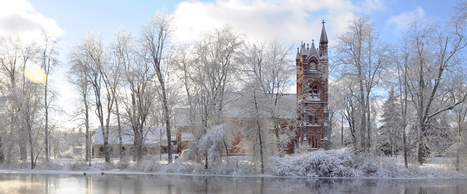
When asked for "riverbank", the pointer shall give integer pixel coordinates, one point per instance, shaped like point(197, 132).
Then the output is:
point(322, 164)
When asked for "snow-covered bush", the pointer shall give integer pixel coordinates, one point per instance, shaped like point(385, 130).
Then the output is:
point(123, 163)
point(337, 164)
point(213, 142)
point(48, 166)
point(107, 166)
point(182, 168)
point(388, 168)
point(315, 164)
point(78, 165)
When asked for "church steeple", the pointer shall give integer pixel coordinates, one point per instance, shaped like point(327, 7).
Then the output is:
point(324, 36)
point(312, 94)
point(323, 42)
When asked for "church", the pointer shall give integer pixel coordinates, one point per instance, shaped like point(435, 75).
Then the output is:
point(308, 116)
point(312, 94)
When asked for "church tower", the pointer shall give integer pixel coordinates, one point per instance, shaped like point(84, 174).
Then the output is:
point(312, 95)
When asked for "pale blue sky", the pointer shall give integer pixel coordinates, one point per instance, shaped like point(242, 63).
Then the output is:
point(290, 20)
point(75, 17)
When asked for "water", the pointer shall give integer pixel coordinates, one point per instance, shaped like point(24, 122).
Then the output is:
point(68, 184)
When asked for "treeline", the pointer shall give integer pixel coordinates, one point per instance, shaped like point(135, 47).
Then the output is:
point(406, 97)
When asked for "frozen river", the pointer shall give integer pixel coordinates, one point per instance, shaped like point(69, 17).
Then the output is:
point(68, 184)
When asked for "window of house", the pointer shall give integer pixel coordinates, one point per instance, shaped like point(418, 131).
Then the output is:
point(101, 151)
point(316, 120)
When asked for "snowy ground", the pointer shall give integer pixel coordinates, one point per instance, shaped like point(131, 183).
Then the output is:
point(315, 164)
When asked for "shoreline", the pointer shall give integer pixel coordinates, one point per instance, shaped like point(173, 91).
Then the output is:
point(116, 172)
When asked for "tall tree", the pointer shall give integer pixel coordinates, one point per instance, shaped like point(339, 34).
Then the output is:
point(91, 53)
point(268, 68)
point(49, 55)
point(363, 57)
point(436, 50)
point(154, 39)
point(389, 131)
point(77, 75)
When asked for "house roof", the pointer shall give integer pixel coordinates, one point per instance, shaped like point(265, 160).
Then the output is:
point(238, 106)
point(151, 135)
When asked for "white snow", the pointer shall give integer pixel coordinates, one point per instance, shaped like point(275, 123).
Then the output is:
point(332, 164)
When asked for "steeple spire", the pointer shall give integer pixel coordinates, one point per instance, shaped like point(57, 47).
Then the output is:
point(313, 49)
point(298, 54)
point(324, 36)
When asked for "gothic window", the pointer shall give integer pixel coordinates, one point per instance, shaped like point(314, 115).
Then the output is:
point(314, 89)
point(316, 120)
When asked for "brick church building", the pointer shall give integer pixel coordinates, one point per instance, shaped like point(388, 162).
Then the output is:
point(312, 94)
point(309, 126)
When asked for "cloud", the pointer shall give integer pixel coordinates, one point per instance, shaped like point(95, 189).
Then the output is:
point(19, 18)
point(290, 20)
point(402, 21)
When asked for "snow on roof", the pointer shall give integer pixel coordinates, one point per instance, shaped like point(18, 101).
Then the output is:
point(151, 135)
point(187, 136)
point(238, 106)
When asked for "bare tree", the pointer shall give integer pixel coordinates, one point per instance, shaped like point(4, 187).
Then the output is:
point(122, 50)
point(49, 55)
point(435, 52)
point(92, 54)
point(138, 79)
point(154, 39)
point(363, 57)
point(77, 75)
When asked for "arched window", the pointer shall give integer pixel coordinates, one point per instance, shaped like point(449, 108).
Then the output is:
point(314, 89)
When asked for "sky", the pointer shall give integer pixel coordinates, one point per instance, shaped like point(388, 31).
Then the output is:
point(292, 21)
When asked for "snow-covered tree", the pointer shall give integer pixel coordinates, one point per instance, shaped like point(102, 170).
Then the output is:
point(362, 57)
point(433, 88)
point(154, 39)
point(388, 133)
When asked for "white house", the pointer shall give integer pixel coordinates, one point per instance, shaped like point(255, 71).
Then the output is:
point(153, 142)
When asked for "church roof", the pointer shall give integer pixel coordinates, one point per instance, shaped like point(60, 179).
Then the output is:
point(313, 51)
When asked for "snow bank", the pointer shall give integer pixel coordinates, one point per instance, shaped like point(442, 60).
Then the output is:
point(336, 164)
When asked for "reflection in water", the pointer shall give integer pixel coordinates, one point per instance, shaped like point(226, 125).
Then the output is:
point(22, 183)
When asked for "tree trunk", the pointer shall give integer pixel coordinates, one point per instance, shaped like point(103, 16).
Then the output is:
point(2, 157)
point(120, 143)
point(259, 133)
point(46, 136)
point(86, 124)
point(31, 147)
